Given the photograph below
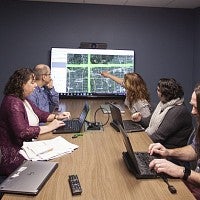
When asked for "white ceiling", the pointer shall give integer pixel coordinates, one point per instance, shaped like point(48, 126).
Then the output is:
point(149, 3)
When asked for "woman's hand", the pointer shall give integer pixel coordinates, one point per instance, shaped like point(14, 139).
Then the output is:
point(51, 126)
point(63, 115)
point(56, 124)
point(105, 74)
point(136, 117)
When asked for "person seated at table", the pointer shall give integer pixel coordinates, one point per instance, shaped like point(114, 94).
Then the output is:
point(44, 96)
point(187, 153)
point(137, 95)
point(20, 118)
point(171, 121)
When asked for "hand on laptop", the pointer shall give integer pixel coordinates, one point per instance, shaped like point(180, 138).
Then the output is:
point(52, 126)
point(157, 148)
point(63, 116)
point(167, 167)
point(136, 117)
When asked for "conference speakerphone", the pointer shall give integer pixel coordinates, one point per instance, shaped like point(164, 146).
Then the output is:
point(93, 126)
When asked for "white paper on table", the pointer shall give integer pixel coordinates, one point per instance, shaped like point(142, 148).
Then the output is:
point(47, 149)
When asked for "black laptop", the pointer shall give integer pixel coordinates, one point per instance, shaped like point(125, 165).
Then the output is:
point(137, 162)
point(74, 125)
point(106, 108)
point(128, 125)
point(29, 178)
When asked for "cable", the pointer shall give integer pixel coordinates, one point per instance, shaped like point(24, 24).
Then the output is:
point(171, 188)
point(102, 111)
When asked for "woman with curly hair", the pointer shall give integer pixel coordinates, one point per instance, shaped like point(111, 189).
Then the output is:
point(187, 153)
point(137, 96)
point(171, 122)
point(19, 119)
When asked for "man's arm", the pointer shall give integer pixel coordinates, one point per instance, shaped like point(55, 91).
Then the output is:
point(53, 98)
point(186, 153)
point(165, 166)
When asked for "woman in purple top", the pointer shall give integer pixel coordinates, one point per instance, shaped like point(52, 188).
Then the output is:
point(19, 119)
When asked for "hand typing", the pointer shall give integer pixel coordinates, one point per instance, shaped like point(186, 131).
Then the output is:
point(157, 148)
point(64, 115)
point(165, 166)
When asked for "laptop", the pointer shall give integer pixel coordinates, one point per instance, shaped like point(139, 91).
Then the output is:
point(106, 108)
point(74, 125)
point(29, 178)
point(137, 162)
point(128, 125)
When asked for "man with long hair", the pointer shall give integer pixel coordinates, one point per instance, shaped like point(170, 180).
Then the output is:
point(187, 153)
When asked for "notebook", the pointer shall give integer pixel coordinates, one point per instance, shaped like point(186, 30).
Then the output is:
point(29, 178)
point(128, 125)
point(74, 125)
point(106, 108)
point(137, 162)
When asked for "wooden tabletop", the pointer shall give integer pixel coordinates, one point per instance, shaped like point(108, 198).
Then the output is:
point(99, 165)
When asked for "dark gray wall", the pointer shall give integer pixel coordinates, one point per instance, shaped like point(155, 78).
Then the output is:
point(197, 47)
point(163, 39)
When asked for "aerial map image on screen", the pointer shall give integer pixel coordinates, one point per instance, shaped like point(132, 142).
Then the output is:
point(81, 72)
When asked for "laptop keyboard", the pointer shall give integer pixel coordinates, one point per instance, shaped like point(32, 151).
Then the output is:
point(72, 124)
point(143, 160)
point(130, 125)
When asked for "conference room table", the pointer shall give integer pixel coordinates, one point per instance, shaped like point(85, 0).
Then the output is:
point(99, 165)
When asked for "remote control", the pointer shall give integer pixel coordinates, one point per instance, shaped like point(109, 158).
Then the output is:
point(75, 185)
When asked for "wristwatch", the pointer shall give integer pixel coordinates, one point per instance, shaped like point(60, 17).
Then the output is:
point(187, 173)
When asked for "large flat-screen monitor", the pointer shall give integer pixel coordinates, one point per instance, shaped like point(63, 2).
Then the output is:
point(77, 72)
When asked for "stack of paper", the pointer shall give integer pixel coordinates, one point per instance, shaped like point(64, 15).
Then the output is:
point(47, 149)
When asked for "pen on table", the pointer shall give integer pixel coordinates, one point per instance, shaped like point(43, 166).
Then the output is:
point(76, 135)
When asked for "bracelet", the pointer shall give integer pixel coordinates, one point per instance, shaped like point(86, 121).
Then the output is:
point(187, 173)
point(56, 116)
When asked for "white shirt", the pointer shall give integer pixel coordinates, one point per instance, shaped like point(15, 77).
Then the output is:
point(32, 117)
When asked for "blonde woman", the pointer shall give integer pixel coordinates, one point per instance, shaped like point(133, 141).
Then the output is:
point(137, 96)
